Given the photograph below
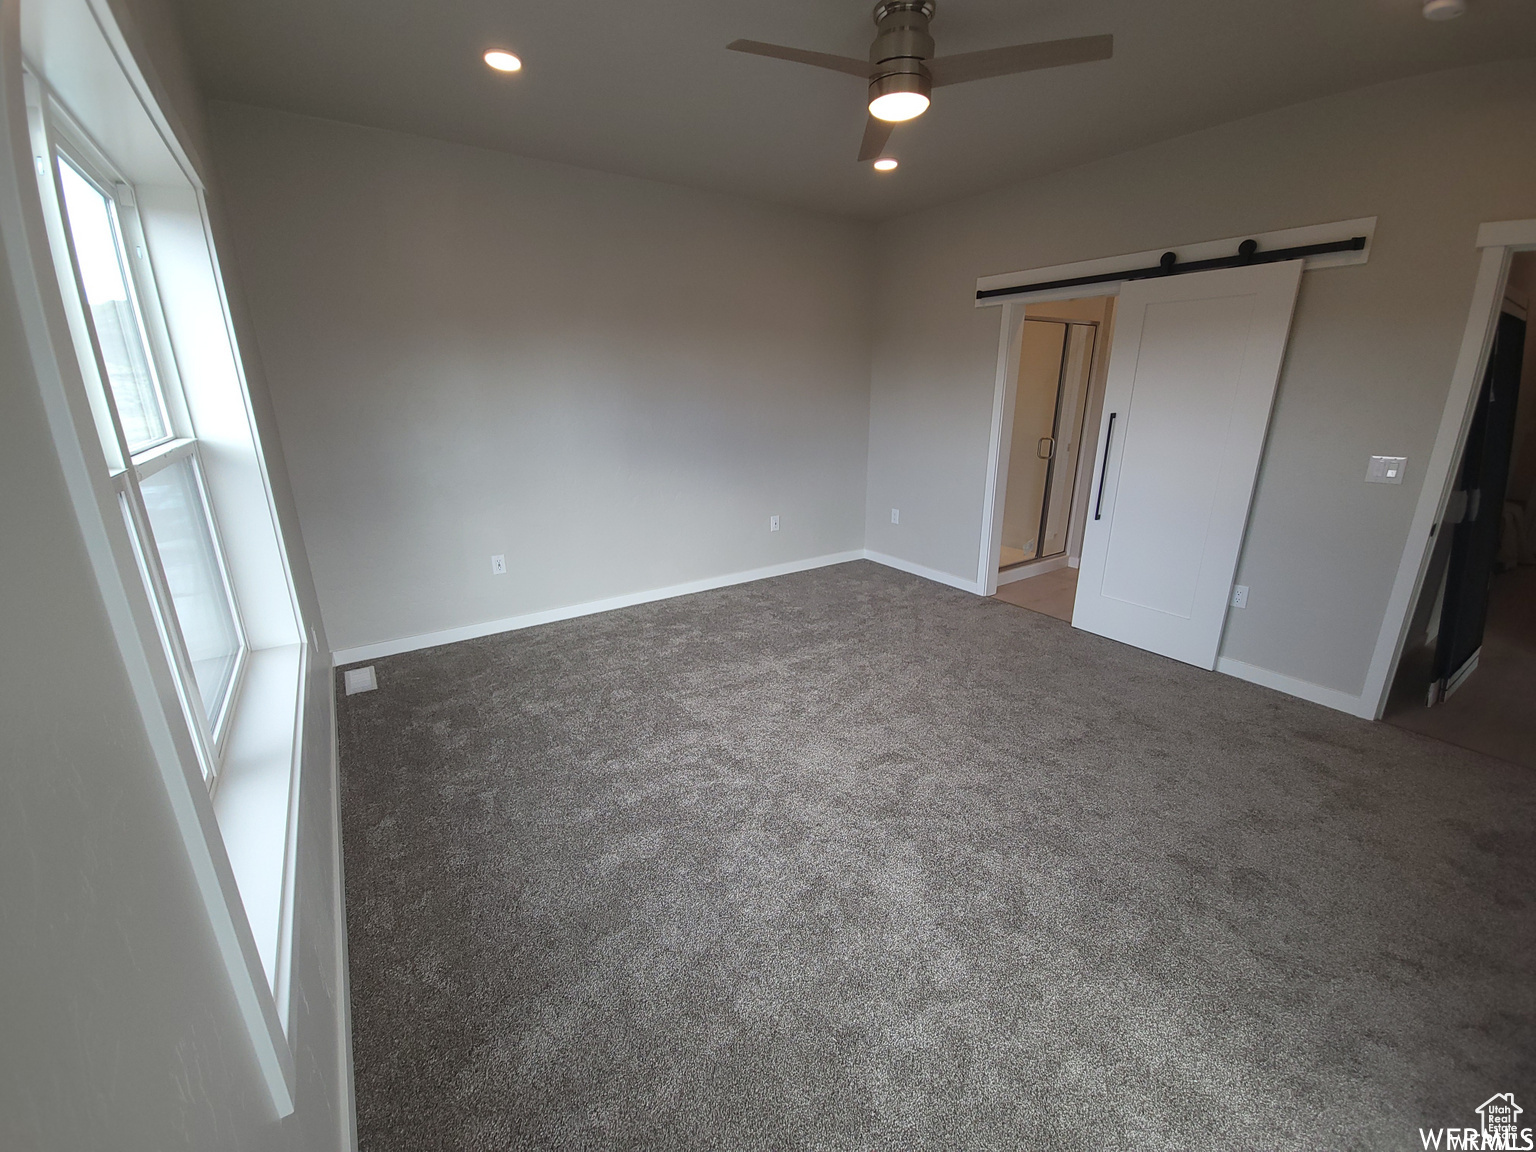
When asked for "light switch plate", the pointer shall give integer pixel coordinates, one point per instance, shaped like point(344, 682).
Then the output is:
point(360, 680)
point(1386, 470)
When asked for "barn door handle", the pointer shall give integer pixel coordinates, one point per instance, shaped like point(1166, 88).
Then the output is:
point(1109, 433)
point(1046, 448)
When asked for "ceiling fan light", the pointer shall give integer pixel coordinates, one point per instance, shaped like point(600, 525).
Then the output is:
point(885, 164)
point(1444, 9)
point(898, 106)
point(502, 60)
point(899, 96)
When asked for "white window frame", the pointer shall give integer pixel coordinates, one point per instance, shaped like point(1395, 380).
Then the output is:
point(68, 143)
point(241, 838)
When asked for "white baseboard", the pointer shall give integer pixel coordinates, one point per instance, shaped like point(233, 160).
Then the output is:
point(346, 1112)
point(933, 574)
point(1025, 571)
point(1291, 686)
point(1459, 677)
point(343, 656)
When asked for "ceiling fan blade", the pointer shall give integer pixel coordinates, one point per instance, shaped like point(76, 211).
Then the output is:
point(876, 133)
point(848, 64)
point(990, 62)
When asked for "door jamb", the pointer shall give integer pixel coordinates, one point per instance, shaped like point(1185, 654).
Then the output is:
point(999, 450)
point(1499, 242)
point(1009, 342)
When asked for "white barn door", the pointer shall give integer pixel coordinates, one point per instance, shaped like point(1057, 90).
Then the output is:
point(1192, 375)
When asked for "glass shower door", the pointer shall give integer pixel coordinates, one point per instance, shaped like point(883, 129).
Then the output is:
point(1055, 358)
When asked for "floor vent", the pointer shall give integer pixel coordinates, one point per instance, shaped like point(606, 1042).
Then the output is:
point(360, 680)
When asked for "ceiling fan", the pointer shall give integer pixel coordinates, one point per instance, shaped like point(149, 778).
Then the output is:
point(902, 69)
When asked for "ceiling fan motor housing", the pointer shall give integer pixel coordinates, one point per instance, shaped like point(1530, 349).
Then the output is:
point(902, 44)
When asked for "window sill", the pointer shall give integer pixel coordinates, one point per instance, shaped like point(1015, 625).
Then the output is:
point(256, 802)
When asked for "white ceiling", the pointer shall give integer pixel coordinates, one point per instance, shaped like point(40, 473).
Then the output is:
point(647, 88)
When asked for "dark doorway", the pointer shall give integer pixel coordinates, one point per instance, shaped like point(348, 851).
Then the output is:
point(1479, 495)
point(1468, 671)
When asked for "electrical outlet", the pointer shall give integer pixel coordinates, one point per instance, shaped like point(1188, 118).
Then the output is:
point(1386, 470)
point(1240, 596)
point(498, 565)
point(895, 515)
point(360, 680)
point(773, 523)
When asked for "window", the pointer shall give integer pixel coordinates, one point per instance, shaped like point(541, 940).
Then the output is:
point(160, 478)
point(151, 412)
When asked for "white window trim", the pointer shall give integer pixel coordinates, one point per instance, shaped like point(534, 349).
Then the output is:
point(151, 460)
point(69, 143)
point(255, 940)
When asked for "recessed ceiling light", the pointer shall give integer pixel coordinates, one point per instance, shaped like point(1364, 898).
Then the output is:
point(502, 60)
point(885, 164)
point(1444, 9)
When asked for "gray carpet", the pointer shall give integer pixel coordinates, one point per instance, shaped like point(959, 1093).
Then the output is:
point(847, 859)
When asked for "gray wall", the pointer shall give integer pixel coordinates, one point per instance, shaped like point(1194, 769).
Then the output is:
point(120, 1029)
point(1367, 371)
point(613, 382)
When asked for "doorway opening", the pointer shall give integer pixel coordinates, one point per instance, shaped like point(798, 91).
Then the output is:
point(1053, 418)
point(1176, 423)
point(1467, 674)
point(1189, 381)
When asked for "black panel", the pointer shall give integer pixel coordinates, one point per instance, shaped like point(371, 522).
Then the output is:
point(1484, 477)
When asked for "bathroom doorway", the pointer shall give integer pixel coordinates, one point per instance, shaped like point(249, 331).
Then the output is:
point(1057, 390)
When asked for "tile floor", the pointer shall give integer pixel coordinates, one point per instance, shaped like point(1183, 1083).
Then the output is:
point(1051, 593)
